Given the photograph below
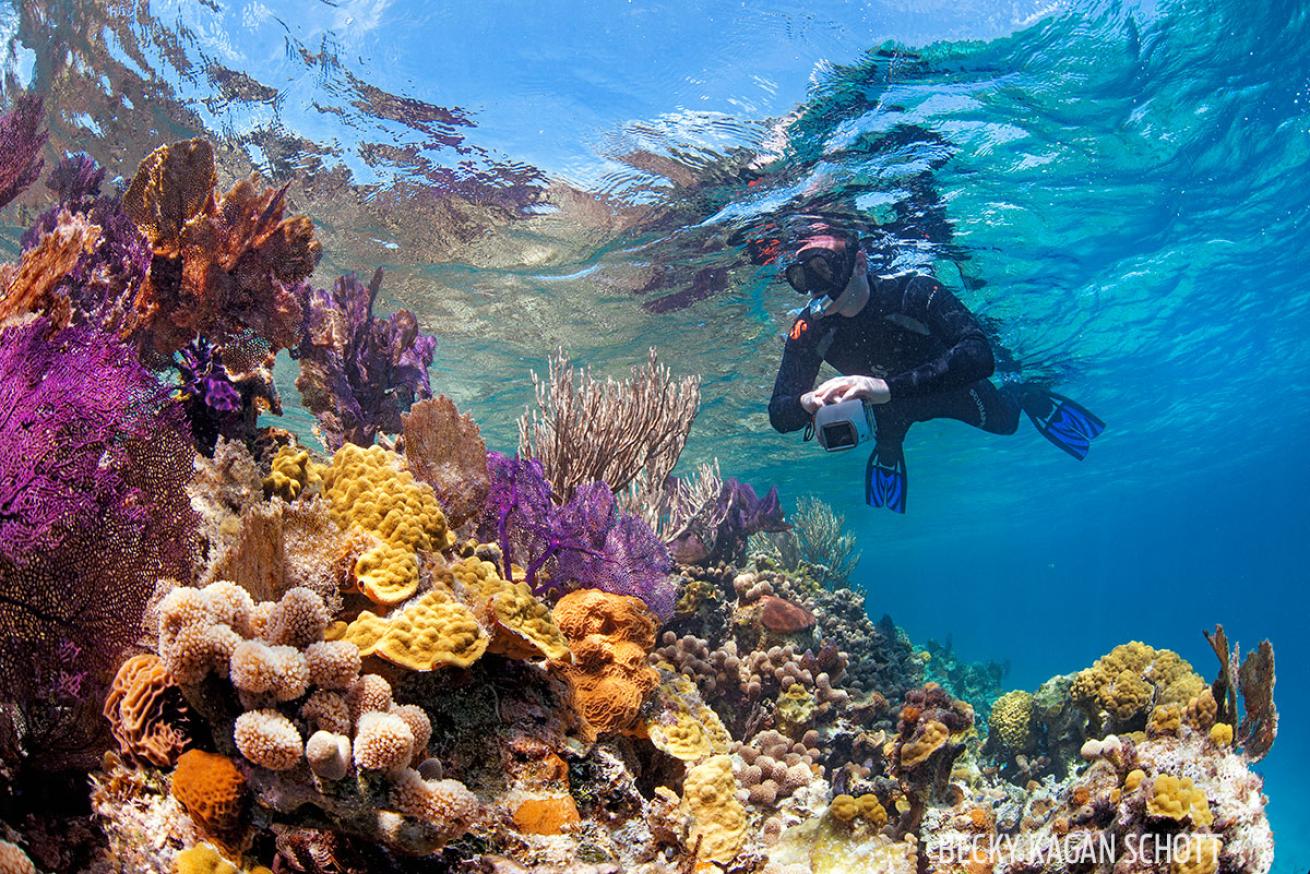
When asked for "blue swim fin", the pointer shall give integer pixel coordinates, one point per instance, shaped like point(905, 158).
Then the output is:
point(885, 480)
point(1067, 424)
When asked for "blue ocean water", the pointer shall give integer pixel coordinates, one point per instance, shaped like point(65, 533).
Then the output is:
point(1119, 189)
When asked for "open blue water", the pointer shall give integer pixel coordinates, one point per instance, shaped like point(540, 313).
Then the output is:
point(1120, 189)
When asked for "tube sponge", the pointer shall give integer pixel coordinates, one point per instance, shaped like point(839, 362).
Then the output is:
point(277, 670)
point(328, 754)
point(333, 664)
point(383, 742)
point(268, 739)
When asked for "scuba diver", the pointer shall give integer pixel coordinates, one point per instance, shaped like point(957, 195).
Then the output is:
point(910, 351)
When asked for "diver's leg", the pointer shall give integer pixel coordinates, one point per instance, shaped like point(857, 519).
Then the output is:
point(981, 405)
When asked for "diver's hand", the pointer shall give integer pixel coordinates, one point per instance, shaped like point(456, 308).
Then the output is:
point(810, 403)
point(846, 388)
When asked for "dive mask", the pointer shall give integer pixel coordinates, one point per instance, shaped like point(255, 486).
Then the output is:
point(822, 271)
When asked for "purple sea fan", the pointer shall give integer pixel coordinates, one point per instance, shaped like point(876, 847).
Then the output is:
point(94, 460)
point(587, 543)
point(103, 285)
point(359, 373)
point(613, 551)
point(21, 141)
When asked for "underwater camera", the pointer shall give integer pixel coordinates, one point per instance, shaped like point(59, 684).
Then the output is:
point(842, 426)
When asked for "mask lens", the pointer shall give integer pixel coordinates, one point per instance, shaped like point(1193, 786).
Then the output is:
point(795, 275)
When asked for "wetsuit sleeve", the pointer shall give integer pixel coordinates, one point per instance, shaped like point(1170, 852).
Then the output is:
point(968, 356)
point(796, 374)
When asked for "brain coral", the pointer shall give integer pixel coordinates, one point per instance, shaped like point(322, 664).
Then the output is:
point(213, 791)
point(618, 617)
point(718, 818)
point(144, 708)
point(1011, 721)
point(371, 491)
point(610, 636)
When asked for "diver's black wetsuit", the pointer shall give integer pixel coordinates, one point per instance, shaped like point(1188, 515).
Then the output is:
point(917, 336)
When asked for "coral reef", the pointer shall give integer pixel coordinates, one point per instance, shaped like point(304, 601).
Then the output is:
point(420, 655)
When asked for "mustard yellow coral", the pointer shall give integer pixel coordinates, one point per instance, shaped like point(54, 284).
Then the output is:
point(292, 471)
point(202, 859)
point(718, 818)
point(370, 491)
point(1178, 799)
point(1199, 855)
point(522, 627)
point(1221, 734)
point(434, 631)
point(1127, 681)
point(685, 727)
point(795, 709)
point(1011, 721)
point(844, 807)
point(1165, 719)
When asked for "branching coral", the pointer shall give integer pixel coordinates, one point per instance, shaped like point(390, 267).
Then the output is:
point(358, 372)
point(823, 541)
point(586, 431)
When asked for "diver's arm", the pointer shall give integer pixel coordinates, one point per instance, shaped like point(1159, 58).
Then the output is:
point(968, 356)
point(800, 365)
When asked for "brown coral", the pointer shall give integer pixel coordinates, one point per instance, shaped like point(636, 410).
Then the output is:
point(783, 617)
point(445, 450)
point(618, 617)
point(213, 791)
point(546, 816)
point(29, 286)
point(145, 709)
point(224, 263)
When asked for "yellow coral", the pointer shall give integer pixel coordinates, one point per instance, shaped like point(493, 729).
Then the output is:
point(1199, 855)
point(1178, 799)
point(872, 810)
point(926, 740)
point(795, 709)
point(202, 859)
point(292, 472)
point(1134, 779)
point(371, 491)
point(435, 631)
point(1165, 719)
point(844, 807)
point(718, 818)
point(1011, 721)
point(685, 727)
point(1132, 677)
point(365, 632)
point(387, 573)
point(522, 625)
point(1202, 711)
point(1221, 734)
